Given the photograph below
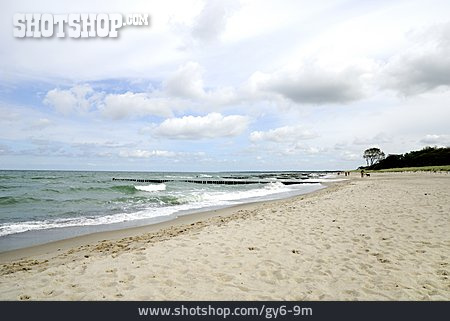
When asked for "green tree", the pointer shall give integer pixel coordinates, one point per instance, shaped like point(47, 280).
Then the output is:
point(373, 155)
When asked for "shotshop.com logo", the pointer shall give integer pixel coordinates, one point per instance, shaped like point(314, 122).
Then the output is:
point(74, 25)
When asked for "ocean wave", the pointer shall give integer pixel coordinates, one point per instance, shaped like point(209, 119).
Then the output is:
point(267, 189)
point(133, 203)
point(80, 200)
point(52, 190)
point(10, 200)
point(178, 177)
point(161, 200)
point(46, 177)
point(165, 205)
point(2, 187)
point(170, 200)
point(151, 188)
point(126, 189)
point(21, 227)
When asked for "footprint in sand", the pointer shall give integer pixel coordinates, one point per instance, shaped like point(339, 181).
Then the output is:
point(139, 258)
point(225, 277)
point(48, 292)
point(129, 278)
point(278, 275)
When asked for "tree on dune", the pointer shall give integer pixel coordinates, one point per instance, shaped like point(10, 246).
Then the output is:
point(373, 155)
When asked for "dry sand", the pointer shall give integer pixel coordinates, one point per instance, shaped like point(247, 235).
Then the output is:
point(386, 237)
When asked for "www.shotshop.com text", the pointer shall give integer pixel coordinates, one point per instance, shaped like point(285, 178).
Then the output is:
point(265, 311)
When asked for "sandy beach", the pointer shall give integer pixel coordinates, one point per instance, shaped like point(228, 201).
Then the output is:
point(384, 237)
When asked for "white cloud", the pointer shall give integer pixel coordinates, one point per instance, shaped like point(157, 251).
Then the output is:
point(139, 153)
point(129, 104)
point(297, 149)
point(380, 138)
point(82, 99)
point(350, 156)
point(440, 140)
point(187, 82)
point(77, 99)
point(212, 125)
point(62, 100)
point(183, 90)
point(41, 123)
point(142, 153)
point(4, 150)
point(283, 134)
point(212, 20)
point(9, 114)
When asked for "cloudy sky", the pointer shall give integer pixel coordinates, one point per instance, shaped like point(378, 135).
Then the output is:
point(226, 85)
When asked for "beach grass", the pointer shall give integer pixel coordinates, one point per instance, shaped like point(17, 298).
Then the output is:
point(440, 168)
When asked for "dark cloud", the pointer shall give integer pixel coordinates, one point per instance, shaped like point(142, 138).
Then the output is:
point(313, 85)
point(424, 66)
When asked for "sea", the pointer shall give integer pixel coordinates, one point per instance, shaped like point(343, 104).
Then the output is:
point(38, 207)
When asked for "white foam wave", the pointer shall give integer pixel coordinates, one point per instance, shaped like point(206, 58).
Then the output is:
point(267, 189)
point(20, 227)
point(151, 188)
point(196, 201)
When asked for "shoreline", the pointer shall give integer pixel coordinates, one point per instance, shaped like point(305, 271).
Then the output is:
point(49, 248)
point(379, 238)
point(93, 207)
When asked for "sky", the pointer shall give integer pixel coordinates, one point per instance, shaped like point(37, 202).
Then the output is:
point(226, 86)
